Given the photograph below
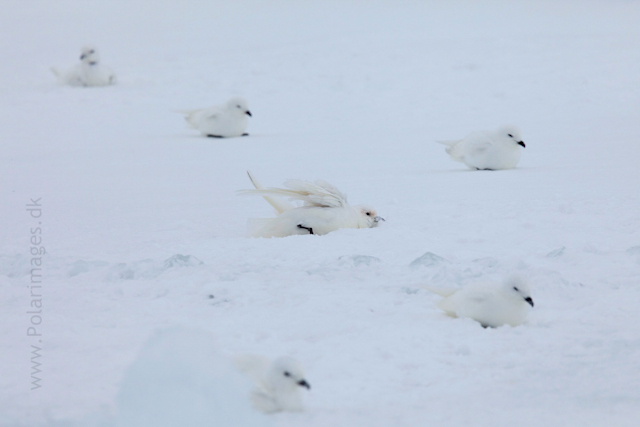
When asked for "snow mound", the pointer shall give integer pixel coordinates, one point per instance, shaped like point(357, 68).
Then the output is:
point(81, 266)
point(14, 266)
point(358, 260)
point(149, 268)
point(429, 259)
point(556, 252)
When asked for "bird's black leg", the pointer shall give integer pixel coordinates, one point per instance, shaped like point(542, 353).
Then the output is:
point(214, 136)
point(306, 228)
point(245, 134)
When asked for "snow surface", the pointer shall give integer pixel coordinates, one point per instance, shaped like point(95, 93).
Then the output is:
point(143, 229)
point(182, 379)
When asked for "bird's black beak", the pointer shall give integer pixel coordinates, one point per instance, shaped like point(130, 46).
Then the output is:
point(521, 143)
point(529, 300)
point(82, 56)
point(378, 219)
point(249, 114)
point(303, 383)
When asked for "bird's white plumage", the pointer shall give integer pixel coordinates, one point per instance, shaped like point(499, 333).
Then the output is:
point(222, 121)
point(278, 204)
point(325, 210)
point(319, 193)
point(492, 305)
point(90, 72)
point(277, 382)
point(488, 150)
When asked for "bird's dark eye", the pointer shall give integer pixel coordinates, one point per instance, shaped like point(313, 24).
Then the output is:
point(510, 136)
point(91, 51)
point(287, 374)
point(516, 289)
point(368, 213)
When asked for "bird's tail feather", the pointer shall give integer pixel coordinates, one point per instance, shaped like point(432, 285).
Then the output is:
point(453, 149)
point(189, 116)
point(186, 112)
point(448, 142)
point(278, 204)
point(283, 192)
point(444, 304)
point(443, 292)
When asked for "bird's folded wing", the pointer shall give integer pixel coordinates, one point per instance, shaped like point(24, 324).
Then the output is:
point(212, 115)
point(319, 193)
point(478, 297)
point(479, 147)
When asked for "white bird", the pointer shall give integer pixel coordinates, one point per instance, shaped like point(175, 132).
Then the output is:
point(488, 150)
point(491, 305)
point(325, 209)
point(88, 73)
point(221, 121)
point(277, 383)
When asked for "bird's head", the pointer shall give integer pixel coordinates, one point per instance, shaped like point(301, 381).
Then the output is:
point(286, 374)
point(513, 133)
point(240, 105)
point(518, 289)
point(89, 55)
point(369, 216)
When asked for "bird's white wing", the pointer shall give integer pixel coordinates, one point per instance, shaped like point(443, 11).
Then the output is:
point(317, 194)
point(477, 148)
point(194, 117)
point(212, 114)
point(464, 302)
point(279, 204)
point(472, 146)
point(477, 297)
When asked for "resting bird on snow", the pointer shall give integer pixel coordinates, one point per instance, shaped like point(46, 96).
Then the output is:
point(491, 305)
point(325, 210)
point(485, 150)
point(88, 73)
point(277, 383)
point(221, 121)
